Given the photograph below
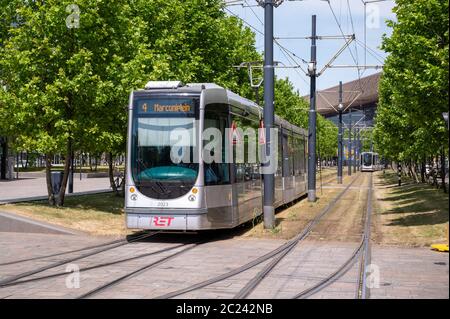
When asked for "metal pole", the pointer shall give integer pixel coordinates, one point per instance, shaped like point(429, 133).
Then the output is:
point(269, 117)
point(17, 172)
point(350, 144)
point(355, 151)
point(312, 119)
point(71, 174)
point(340, 136)
point(358, 159)
point(257, 95)
point(371, 142)
point(4, 146)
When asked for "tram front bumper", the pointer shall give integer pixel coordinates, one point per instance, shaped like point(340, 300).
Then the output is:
point(180, 220)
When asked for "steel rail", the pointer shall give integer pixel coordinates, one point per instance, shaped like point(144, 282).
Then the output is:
point(111, 263)
point(362, 249)
point(136, 272)
point(287, 246)
point(66, 261)
point(66, 252)
point(363, 290)
point(252, 284)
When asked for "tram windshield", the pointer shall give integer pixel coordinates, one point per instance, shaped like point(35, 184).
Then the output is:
point(163, 144)
point(367, 159)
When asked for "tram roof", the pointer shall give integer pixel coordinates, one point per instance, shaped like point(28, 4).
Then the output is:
point(218, 94)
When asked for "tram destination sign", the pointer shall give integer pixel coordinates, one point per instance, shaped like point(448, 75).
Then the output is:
point(165, 106)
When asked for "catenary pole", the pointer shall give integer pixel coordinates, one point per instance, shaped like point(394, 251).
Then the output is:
point(340, 135)
point(312, 117)
point(269, 117)
point(350, 144)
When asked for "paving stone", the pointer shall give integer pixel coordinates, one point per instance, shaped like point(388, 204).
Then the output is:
point(404, 272)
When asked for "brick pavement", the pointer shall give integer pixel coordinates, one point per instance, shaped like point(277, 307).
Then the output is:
point(404, 272)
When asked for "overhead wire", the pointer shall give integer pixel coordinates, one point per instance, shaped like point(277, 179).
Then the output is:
point(350, 15)
point(342, 33)
point(286, 52)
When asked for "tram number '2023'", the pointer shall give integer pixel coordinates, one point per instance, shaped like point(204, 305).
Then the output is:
point(246, 308)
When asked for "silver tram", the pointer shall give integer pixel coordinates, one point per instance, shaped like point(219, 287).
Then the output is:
point(163, 195)
point(370, 162)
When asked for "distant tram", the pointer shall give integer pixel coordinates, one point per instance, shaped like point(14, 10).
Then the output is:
point(370, 162)
point(163, 195)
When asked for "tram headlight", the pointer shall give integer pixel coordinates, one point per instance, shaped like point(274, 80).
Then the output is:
point(132, 190)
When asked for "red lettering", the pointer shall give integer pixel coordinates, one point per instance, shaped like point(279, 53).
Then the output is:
point(162, 221)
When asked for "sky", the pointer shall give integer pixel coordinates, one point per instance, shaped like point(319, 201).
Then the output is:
point(293, 19)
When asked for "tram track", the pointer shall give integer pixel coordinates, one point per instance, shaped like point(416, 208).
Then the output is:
point(362, 252)
point(97, 266)
point(279, 253)
point(136, 272)
point(8, 263)
point(15, 278)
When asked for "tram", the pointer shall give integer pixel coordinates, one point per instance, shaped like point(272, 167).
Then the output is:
point(193, 194)
point(370, 162)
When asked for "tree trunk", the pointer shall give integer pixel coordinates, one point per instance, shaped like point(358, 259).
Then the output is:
point(111, 173)
point(422, 172)
point(444, 187)
point(122, 183)
point(62, 191)
point(48, 176)
point(26, 160)
point(4, 159)
point(414, 173)
point(90, 162)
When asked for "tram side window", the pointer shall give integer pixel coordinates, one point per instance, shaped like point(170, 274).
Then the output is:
point(298, 157)
point(292, 153)
point(288, 155)
point(216, 116)
point(248, 169)
point(280, 155)
point(304, 151)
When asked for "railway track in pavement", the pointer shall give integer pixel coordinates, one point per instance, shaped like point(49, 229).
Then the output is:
point(69, 251)
point(277, 254)
point(362, 252)
point(12, 280)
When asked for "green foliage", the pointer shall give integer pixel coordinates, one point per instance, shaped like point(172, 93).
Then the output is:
point(291, 106)
point(194, 41)
point(414, 85)
point(67, 89)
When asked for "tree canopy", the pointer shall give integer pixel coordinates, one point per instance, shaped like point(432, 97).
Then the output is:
point(67, 86)
point(414, 84)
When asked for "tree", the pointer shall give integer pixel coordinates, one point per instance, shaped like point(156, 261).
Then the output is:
point(68, 88)
point(61, 79)
point(414, 85)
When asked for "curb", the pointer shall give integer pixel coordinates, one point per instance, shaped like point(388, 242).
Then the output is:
point(40, 198)
point(15, 223)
